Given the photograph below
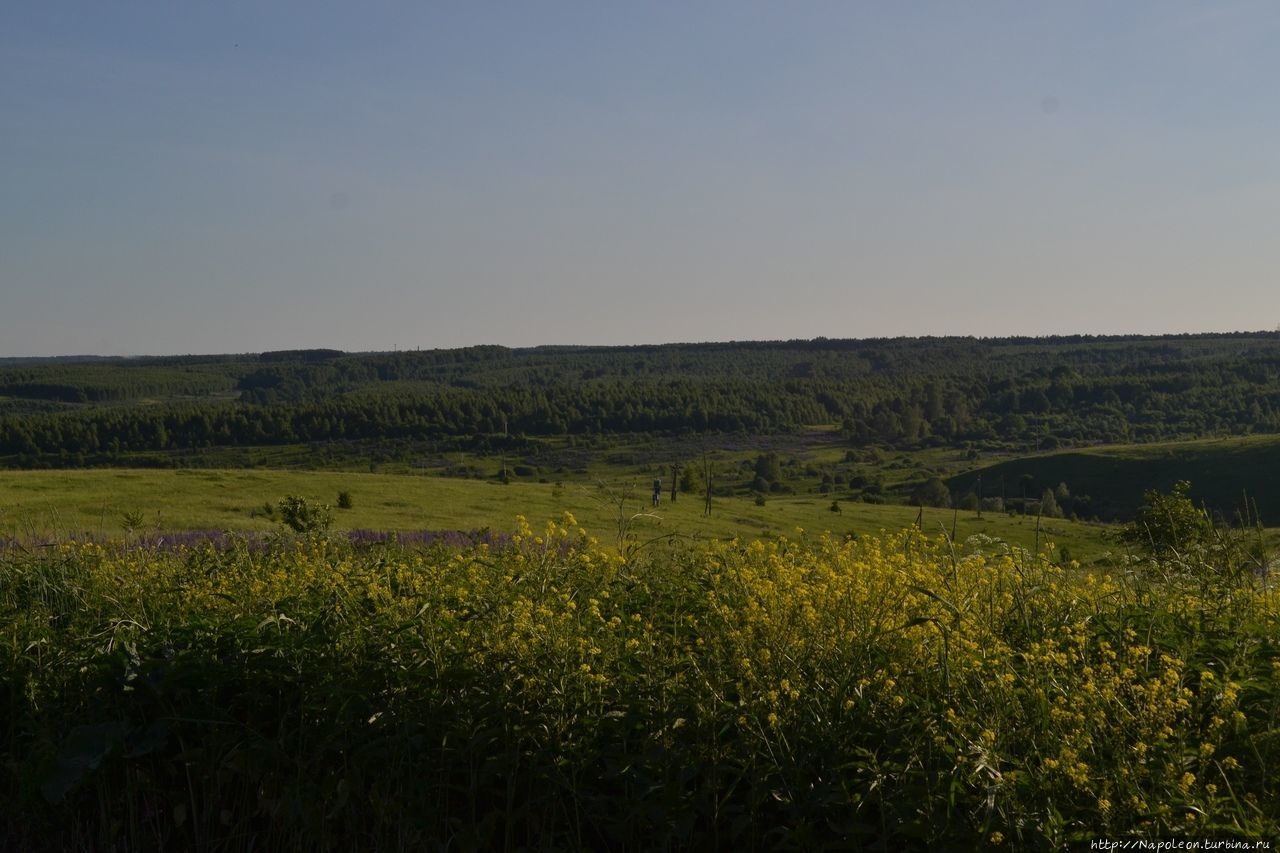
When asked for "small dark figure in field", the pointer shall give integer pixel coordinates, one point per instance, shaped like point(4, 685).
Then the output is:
point(657, 492)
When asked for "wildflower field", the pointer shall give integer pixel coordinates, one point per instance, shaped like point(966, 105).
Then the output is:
point(547, 692)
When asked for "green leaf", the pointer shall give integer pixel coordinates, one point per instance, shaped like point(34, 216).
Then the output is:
point(84, 750)
point(955, 611)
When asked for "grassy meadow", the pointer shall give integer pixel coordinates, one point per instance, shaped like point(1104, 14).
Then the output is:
point(63, 504)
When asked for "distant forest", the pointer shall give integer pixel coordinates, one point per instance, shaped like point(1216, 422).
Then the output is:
point(902, 392)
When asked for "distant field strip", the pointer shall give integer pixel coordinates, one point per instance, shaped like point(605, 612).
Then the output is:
point(67, 503)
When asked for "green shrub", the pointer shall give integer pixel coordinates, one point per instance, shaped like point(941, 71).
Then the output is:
point(1168, 523)
point(932, 492)
point(302, 517)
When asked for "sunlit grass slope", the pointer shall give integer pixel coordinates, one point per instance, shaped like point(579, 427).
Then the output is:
point(65, 503)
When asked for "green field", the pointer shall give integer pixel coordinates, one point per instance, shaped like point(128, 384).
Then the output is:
point(612, 485)
point(63, 504)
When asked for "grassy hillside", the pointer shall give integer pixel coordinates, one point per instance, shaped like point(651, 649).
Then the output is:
point(35, 504)
point(1221, 471)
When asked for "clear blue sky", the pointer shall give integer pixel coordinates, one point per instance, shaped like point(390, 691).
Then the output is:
point(237, 176)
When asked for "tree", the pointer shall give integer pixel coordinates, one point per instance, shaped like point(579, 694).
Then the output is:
point(1168, 523)
point(1025, 483)
point(1049, 504)
point(768, 468)
point(1034, 400)
point(932, 492)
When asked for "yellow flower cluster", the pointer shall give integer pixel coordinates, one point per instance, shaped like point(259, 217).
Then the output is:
point(1041, 688)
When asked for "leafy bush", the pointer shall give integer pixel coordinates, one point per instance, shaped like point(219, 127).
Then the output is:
point(344, 500)
point(1169, 523)
point(932, 492)
point(302, 517)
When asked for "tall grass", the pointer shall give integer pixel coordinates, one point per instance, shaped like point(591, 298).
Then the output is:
point(807, 693)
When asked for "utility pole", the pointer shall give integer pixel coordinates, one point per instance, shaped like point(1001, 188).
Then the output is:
point(706, 469)
point(504, 448)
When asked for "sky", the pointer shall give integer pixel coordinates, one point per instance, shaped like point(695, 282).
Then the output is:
point(207, 177)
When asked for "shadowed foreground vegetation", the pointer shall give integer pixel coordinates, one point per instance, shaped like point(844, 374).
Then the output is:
point(878, 692)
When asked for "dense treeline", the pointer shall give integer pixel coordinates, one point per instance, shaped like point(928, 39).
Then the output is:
point(97, 383)
point(423, 413)
point(904, 392)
